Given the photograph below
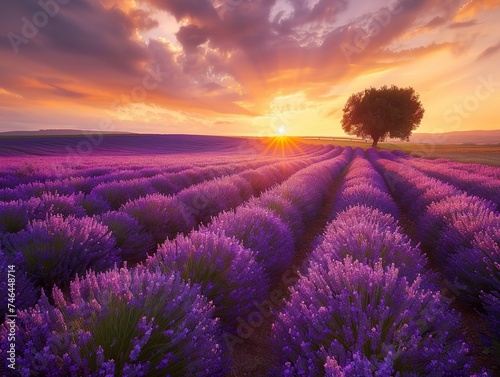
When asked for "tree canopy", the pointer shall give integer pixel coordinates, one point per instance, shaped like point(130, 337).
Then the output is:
point(380, 113)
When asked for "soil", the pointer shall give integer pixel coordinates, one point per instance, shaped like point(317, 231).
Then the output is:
point(255, 356)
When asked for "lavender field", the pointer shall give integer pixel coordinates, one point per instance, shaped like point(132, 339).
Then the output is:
point(221, 256)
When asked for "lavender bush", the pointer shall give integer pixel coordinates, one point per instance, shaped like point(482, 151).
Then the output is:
point(162, 216)
point(366, 319)
point(491, 305)
point(475, 270)
point(261, 231)
point(171, 183)
point(15, 215)
point(119, 323)
point(476, 184)
point(413, 189)
point(94, 204)
point(119, 192)
point(365, 194)
point(453, 221)
point(66, 205)
point(26, 292)
point(29, 190)
point(212, 197)
point(55, 250)
point(369, 235)
point(308, 189)
point(283, 208)
point(131, 238)
point(227, 272)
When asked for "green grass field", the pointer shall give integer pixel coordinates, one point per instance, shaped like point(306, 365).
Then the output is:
point(480, 154)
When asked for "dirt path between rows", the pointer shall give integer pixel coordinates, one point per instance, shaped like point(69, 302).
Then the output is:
point(255, 356)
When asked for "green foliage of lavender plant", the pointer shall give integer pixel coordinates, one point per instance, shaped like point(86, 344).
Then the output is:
point(131, 238)
point(162, 216)
point(55, 250)
point(367, 318)
point(475, 270)
point(120, 323)
point(227, 272)
point(25, 290)
point(491, 306)
point(369, 235)
point(263, 232)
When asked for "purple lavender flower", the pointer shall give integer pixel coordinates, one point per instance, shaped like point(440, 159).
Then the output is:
point(209, 198)
point(123, 322)
point(15, 215)
point(263, 232)
point(131, 238)
point(307, 189)
point(365, 194)
point(171, 183)
point(227, 272)
point(369, 235)
point(26, 292)
point(475, 269)
point(55, 250)
point(453, 221)
point(119, 192)
point(162, 216)
point(281, 207)
point(366, 318)
point(491, 305)
point(487, 187)
point(94, 204)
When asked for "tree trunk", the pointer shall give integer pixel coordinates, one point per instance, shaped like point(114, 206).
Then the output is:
point(375, 142)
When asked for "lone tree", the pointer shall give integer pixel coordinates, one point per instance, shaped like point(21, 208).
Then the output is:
point(378, 113)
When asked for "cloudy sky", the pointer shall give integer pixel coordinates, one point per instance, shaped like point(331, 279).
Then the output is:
point(243, 67)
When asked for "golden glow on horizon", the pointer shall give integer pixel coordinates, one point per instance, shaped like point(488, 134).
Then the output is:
point(283, 145)
point(204, 81)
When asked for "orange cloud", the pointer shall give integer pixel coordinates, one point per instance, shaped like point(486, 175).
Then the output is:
point(472, 7)
point(114, 57)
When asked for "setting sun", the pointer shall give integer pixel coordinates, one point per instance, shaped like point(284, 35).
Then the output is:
point(282, 131)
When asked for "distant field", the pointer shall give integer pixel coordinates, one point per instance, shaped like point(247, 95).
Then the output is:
point(93, 145)
point(248, 255)
point(54, 145)
point(480, 154)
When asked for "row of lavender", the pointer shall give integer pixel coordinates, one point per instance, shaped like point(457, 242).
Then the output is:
point(245, 250)
point(103, 193)
point(17, 171)
point(55, 249)
point(459, 231)
point(152, 320)
point(365, 305)
point(103, 183)
point(483, 182)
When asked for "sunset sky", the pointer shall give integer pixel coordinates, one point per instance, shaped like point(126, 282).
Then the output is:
point(243, 67)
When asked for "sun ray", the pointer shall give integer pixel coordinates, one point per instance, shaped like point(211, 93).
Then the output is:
point(283, 145)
